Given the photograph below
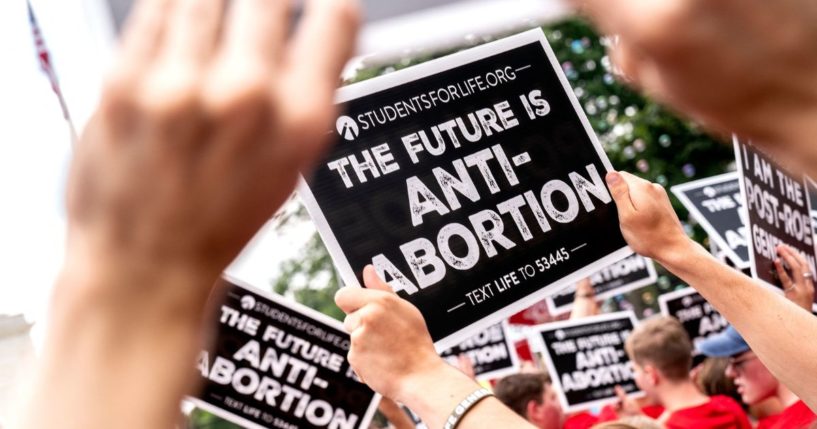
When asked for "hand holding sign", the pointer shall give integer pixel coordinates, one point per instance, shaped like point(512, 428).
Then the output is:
point(390, 341)
point(648, 222)
point(798, 286)
point(585, 302)
point(392, 351)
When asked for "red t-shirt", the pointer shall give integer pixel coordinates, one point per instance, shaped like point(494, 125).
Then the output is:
point(721, 412)
point(582, 420)
point(795, 416)
point(608, 413)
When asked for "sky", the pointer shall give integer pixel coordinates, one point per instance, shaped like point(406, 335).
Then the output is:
point(34, 155)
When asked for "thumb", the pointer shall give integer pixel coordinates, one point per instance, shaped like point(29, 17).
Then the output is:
point(618, 187)
point(620, 191)
point(621, 394)
point(373, 281)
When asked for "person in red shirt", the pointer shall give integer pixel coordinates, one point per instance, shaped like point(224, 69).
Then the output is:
point(661, 353)
point(531, 396)
point(754, 381)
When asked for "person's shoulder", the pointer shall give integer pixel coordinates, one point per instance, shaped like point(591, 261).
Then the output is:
point(796, 415)
point(581, 420)
point(717, 412)
point(728, 405)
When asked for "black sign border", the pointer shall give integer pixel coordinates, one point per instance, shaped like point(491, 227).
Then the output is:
point(501, 372)
point(736, 143)
point(536, 341)
point(680, 193)
point(629, 287)
point(430, 68)
point(296, 307)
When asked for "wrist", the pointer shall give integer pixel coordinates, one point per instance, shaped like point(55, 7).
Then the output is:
point(675, 252)
point(434, 391)
point(121, 284)
point(413, 385)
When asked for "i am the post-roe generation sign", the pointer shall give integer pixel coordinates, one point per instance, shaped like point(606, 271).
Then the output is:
point(473, 183)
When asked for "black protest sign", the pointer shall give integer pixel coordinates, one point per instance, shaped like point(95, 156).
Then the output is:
point(699, 318)
point(275, 363)
point(490, 352)
point(473, 183)
point(586, 358)
point(716, 204)
point(811, 188)
point(628, 274)
point(778, 211)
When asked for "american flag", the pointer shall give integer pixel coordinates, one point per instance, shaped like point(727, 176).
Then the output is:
point(45, 60)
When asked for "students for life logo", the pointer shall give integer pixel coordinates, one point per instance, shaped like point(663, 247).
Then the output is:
point(247, 302)
point(347, 128)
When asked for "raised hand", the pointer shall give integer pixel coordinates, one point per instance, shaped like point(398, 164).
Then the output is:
point(647, 220)
point(799, 287)
point(732, 64)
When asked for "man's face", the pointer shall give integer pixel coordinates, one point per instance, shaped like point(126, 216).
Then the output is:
point(549, 413)
point(754, 382)
point(643, 379)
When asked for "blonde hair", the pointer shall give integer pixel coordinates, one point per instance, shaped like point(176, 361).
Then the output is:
point(663, 343)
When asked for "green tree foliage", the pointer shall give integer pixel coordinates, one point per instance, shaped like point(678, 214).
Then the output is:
point(311, 279)
point(200, 419)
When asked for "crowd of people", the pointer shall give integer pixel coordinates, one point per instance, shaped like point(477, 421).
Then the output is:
point(730, 388)
point(210, 112)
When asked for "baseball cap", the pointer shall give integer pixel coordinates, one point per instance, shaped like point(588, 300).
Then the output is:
point(724, 344)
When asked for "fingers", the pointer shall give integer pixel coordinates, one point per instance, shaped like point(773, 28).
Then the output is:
point(465, 365)
point(620, 190)
point(585, 288)
point(350, 299)
point(793, 260)
point(606, 14)
point(373, 281)
point(785, 280)
point(801, 271)
point(193, 30)
point(143, 34)
point(351, 322)
point(621, 394)
point(625, 63)
point(321, 46)
point(797, 287)
point(256, 30)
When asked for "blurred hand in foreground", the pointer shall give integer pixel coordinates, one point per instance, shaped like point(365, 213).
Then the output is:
point(734, 65)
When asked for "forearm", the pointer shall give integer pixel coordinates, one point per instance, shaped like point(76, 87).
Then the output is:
point(779, 332)
point(119, 350)
point(396, 416)
point(434, 394)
